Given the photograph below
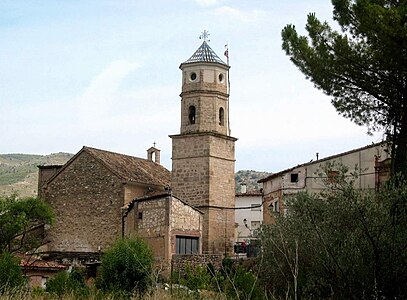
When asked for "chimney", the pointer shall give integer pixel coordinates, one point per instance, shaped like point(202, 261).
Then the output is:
point(153, 153)
point(243, 188)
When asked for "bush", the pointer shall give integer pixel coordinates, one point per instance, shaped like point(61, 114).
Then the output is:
point(11, 276)
point(232, 280)
point(126, 266)
point(65, 283)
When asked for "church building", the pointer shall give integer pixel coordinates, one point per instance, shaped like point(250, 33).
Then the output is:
point(99, 196)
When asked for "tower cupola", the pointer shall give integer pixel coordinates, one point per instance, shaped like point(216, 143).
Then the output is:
point(205, 99)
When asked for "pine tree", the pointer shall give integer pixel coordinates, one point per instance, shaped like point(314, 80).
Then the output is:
point(363, 67)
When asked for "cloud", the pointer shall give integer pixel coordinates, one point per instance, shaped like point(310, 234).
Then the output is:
point(98, 99)
point(240, 15)
point(207, 2)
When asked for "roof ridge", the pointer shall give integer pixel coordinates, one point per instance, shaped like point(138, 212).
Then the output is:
point(116, 153)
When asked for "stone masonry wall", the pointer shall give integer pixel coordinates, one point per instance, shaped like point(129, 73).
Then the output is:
point(181, 262)
point(207, 113)
point(150, 219)
point(186, 221)
point(87, 201)
point(44, 174)
point(203, 175)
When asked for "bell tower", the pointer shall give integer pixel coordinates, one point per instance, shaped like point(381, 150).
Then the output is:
point(203, 154)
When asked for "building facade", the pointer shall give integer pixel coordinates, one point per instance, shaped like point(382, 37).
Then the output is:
point(248, 214)
point(169, 225)
point(366, 162)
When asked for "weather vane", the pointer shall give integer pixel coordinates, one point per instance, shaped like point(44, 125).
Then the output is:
point(205, 36)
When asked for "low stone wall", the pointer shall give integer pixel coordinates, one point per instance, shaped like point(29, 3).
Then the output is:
point(180, 262)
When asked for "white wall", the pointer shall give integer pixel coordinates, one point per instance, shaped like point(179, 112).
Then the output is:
point(254, 216)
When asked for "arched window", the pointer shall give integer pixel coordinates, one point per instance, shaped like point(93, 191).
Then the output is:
point(221, 117)
point(192, 114)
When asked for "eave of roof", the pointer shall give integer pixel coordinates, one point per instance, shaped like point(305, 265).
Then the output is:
point(33, 262)
point(249, 194)
point(154, 196)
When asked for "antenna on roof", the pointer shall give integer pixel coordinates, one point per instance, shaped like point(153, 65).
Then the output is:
point(205, 36)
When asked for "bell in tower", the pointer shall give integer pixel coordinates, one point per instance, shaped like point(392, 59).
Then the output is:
point(203, 154)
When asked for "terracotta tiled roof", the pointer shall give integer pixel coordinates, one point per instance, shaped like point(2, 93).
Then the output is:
point(130, 168)
point(249, 194)
point(33, 262)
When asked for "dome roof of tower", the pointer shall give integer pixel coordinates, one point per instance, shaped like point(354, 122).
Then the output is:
point(204, 54)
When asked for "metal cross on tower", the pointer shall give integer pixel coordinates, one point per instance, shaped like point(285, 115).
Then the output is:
point(205, 36)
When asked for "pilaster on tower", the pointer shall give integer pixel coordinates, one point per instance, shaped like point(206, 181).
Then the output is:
point(203, 154)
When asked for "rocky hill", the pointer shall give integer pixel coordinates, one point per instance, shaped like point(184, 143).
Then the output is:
point(19, 173)
point(250, 178)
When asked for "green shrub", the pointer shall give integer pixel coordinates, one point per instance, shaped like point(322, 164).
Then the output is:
point(65, 283)
point(198, 278)
point(126, 266)
point(11, 276)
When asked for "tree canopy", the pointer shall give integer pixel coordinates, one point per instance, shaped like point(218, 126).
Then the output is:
point(126, 266)
point(21, 222)
point(363, 67)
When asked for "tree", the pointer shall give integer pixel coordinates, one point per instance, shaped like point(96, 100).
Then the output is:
point(364, 68)
point(126, 266)
point(340, 244)
point(11, 276)
point(21, 221)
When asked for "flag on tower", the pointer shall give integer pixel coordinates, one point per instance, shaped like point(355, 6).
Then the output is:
point(227, 52)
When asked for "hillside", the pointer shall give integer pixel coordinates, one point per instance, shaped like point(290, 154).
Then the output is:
point(19, 173)
point(250, 178)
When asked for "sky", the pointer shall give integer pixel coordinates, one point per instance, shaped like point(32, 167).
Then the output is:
point(105, 74)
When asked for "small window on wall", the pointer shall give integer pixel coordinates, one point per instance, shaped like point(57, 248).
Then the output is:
point(294, 177)
point(186, 245)
point(274, 206)
point(192, 114)
point(192, 76)
point(221, 116)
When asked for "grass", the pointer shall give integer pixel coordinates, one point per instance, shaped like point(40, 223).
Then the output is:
point(157, 294)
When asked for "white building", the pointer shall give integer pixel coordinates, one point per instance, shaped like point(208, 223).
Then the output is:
point(248, 213)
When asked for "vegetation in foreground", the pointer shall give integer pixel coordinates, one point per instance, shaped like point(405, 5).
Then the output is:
point(342, 243)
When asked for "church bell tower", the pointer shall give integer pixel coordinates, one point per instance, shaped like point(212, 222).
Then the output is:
point(203, 154)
